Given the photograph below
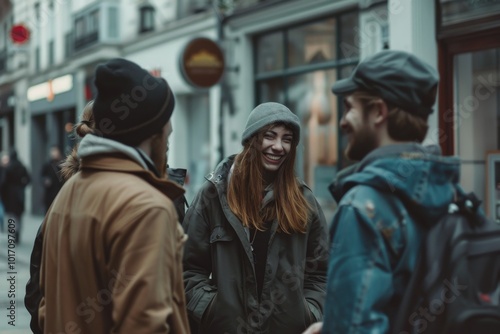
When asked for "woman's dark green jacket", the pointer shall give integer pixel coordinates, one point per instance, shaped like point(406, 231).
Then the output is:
point(219, 276)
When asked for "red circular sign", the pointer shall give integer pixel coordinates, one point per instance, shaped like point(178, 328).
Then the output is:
point(19, 34)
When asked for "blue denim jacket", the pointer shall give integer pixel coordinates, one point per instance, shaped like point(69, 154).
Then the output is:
point(385, 204)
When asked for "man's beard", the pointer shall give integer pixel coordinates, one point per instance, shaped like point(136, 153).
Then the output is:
point(363, 141)
point(159, 150)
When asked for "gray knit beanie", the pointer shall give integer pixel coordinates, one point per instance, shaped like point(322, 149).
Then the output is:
point(268, 113)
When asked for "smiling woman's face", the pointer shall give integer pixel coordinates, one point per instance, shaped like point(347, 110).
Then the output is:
point(276, 144)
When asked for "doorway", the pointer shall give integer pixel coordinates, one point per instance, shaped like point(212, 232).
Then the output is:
point(469, 107)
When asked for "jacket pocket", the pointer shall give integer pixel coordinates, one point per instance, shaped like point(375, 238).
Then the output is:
point(316, 313)
point(219, 233)
point(200, 301)
point(209, 311)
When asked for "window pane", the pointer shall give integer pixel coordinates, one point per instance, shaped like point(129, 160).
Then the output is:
point(312, 43)
point(93, 21)
point(270, 52)
point(149, 20)
point(477, 119)
point(311, 99)
point(37, 11)
point(51, 53)
point(3, 42)
point(112, 22)
point(51, 24)
point(349, 39)
point(37, 59)
point(271, 90)
point(80, 29)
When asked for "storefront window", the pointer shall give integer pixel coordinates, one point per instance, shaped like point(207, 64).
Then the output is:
point(457, 11)
point(477, 118)
point(312, 43)
point(272, 90)
point(316, 106)
point(270, 52)
point(300, 76)
point(349, 40)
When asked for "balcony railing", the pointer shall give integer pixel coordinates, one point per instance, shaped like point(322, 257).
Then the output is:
point(97, 24)
point(86, 40)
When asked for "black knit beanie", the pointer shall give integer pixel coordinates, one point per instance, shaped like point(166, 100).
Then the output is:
point(131, 105)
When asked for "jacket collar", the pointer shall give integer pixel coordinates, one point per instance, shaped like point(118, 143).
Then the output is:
point(94, 145)
point(119, 162)
point(219, 176)
point(398, 151)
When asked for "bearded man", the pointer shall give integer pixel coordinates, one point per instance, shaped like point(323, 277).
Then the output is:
point(388, 200)
point(112, 244)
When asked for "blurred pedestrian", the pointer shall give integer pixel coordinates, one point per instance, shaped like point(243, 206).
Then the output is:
point(114, 217)
point(390, 197)
point(16, 178)
point(51, 178)
point(255, 260)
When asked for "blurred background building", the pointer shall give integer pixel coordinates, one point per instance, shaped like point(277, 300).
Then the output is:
point(289, 51)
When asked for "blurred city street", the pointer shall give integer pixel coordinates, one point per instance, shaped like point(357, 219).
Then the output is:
point(21, 275)
point(220, 59)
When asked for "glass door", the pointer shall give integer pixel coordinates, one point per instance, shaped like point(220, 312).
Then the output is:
point(476, 121)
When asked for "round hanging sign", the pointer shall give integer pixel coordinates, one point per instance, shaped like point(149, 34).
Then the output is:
point(202, 62)
point(19, 34)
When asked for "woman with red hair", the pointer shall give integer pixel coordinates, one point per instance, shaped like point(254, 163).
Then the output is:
point(256, 257)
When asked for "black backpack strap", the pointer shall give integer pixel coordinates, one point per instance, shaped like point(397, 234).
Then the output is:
point(411, 295)
point(410, 298)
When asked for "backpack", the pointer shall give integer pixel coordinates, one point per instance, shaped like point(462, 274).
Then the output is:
point(455, 287)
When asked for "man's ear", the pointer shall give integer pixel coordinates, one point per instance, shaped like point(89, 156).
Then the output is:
point(380, 110)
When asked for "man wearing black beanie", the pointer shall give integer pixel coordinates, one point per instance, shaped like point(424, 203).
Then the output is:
point(112, 244)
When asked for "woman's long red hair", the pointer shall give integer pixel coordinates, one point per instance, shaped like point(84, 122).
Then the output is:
point(246, 188)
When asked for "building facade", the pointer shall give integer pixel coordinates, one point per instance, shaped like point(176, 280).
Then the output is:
point(46, 81)
point(289, 51)
point(293, 51)
point(468, 35)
